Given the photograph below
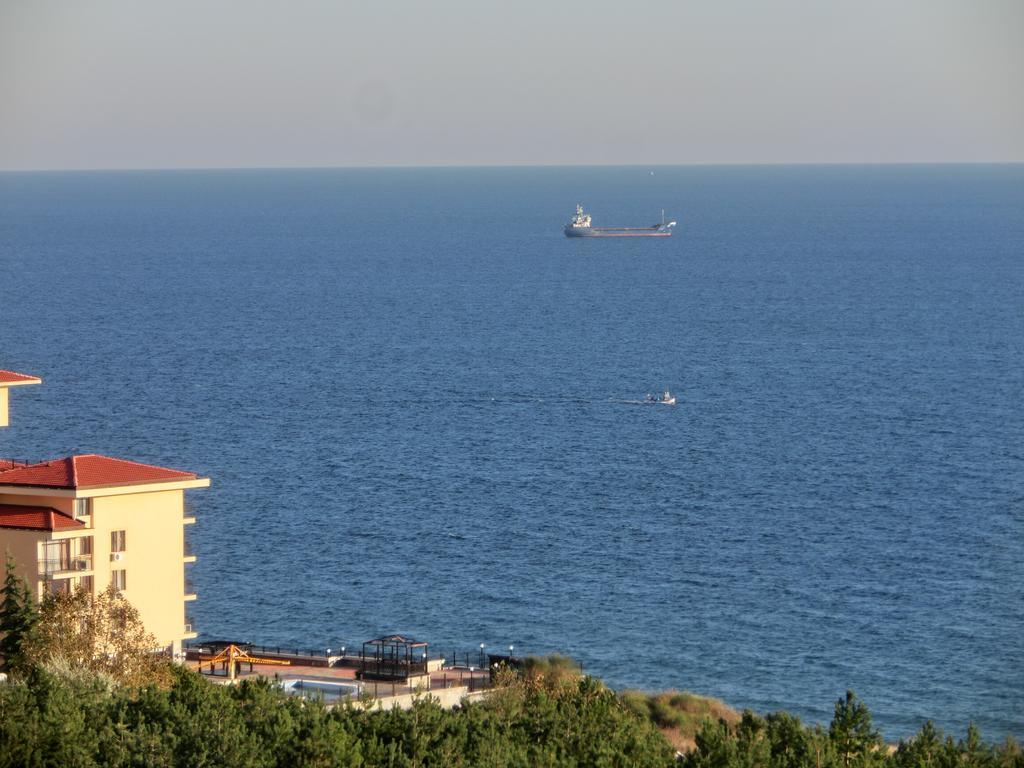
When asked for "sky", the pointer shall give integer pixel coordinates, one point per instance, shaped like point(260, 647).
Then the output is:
point(110, 84)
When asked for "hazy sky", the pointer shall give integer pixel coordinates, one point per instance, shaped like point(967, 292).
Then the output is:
point(196, 83)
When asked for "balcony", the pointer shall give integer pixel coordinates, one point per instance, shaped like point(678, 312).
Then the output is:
point(189, 633)
point(65, 566)
point(187, 554)
point(190, 590)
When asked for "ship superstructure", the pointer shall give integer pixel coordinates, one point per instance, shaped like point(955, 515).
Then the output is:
point(580, 226)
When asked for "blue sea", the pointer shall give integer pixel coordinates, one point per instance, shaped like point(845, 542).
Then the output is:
point(417, 403)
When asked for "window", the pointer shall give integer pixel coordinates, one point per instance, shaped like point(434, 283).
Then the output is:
point(59, 586)
point(117, 541)
point(81, 553)
point(86, 583)
point(119, 580)
point(56, 556)
point(83, 507)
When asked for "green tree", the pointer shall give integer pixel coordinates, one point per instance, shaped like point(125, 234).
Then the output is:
point(754, 748)
point(974, 752)
point(17, 618)
point(927, 749)
point(1009, 754)
point(716, 747)
point(791, 742)
point(821, 751)
point(856, 742)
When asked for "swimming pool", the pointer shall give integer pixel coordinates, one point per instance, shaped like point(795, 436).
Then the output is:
point(329, 690)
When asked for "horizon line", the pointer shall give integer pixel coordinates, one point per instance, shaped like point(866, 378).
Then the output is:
point(497, 166)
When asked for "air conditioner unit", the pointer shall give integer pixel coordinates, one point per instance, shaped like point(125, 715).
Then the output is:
point(81, 565)
point(117, 556)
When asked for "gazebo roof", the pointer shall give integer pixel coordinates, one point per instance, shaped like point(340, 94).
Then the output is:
point(395, 640)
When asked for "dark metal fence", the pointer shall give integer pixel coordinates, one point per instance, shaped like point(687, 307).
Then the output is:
point(392, 669)
point(475, 659)
point(450, 679)
point(266, 650)
point(214, 647)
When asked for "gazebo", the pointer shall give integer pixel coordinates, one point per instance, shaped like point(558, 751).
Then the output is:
point(393, 657)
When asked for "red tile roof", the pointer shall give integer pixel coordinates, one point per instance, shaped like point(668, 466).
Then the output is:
point(10, 377)
point(36, 518)
point(90, 471)
point(10, 464)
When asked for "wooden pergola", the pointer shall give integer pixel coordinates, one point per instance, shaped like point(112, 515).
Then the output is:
point(233, 655)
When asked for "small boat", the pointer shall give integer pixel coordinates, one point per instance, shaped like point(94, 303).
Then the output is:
point(580, 226)
point(666, 399)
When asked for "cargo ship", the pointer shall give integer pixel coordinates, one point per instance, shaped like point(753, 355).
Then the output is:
point(580, 227)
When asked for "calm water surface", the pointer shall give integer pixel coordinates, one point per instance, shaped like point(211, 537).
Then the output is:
point(412, 395)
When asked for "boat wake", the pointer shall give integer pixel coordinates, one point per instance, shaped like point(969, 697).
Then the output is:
point(561, 400)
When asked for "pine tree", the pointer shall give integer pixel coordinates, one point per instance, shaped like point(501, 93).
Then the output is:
point(17, 617)
point(790, 741)
point(975, 753)
point(856, 742)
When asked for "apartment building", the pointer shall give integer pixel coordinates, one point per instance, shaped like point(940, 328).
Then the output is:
point(90, 521)
point(10, 379)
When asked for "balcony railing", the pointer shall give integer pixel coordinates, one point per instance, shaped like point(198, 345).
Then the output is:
point(189, 623)
point(50, 566)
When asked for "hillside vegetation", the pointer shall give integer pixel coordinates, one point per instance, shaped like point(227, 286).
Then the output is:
point(84, 692)
point(47, 719)
point(679, 715)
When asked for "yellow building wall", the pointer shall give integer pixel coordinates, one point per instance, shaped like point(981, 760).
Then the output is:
point(63, 504)
point(23, 546)
point(28, 554)
point(153, 557)
point(4, 400)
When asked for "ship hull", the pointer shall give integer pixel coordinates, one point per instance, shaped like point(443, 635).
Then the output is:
point(658, 231)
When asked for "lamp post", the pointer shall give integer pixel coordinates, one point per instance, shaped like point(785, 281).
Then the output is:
point(511, 649)
point(482, 646)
